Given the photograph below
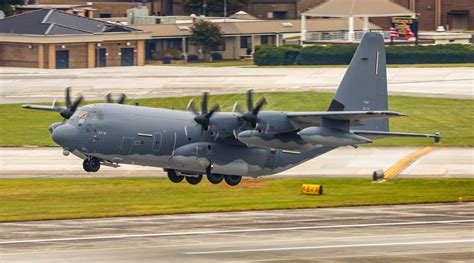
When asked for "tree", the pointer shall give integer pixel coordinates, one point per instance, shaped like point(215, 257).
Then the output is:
point(6, 5)
point(213, 7)
point(207, 36)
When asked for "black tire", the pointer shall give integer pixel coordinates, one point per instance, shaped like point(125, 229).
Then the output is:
point(232, 180)
point(86, 166)
point(194, 180)
point(94, 164)
point(175, 178)
point(215, 178)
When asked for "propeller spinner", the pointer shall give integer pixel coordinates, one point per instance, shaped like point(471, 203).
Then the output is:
point(71, 107)
point(204, 117)
point(251, 116)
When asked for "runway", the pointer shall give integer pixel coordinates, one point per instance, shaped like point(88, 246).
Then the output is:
point(402, 233)
point(21, 85)
point(444, 162)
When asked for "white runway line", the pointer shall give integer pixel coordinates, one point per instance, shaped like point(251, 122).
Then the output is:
point(88, 238)
point(333, 246)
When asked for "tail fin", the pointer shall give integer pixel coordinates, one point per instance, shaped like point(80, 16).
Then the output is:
point(364, 86)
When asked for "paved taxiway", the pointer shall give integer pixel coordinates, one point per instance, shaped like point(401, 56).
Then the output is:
point(342, 162)
point(402, 233)
point(20, 85)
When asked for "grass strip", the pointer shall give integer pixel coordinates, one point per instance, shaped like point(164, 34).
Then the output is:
point(453, 118)
point(41, 199)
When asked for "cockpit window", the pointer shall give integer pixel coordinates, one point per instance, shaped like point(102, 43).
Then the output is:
point(97, 115)
point(83, 115)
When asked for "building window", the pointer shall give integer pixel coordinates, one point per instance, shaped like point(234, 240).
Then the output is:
point(245, 42)
point(221, 47)
point(280, 15)
point(267, 40)
point(105, 15)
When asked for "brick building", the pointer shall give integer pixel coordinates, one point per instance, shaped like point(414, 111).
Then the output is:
point(118, 8)
point(49, 38)
point(452, 14)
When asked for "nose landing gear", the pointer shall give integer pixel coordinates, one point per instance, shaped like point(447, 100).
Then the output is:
point(91, 165)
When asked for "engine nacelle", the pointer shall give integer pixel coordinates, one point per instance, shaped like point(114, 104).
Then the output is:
point(331, 137)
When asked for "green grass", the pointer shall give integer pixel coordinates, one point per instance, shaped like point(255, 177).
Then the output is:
point(453, 118)
point(38, 199)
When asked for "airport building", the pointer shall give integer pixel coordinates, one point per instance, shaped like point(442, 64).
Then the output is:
point(451, 14)
point(50, 38)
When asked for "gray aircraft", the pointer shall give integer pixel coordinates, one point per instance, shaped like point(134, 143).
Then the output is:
point(229, 145)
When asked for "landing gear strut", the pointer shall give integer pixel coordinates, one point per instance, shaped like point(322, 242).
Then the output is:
point(91, 165)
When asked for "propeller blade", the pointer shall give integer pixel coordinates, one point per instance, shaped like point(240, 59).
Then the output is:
point(76, 103)
point(249, 100)
point(236, 108)
point(108, 98)
point(68, 97)
point(122, 98)
point(204, 101)
point(213, 110)
point(261, 102)
point(191, 107)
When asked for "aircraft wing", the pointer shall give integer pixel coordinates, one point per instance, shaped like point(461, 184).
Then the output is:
point(44, 107)
point(308, 119)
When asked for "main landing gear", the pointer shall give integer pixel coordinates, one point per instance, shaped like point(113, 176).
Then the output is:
point(91, 164)
point(231, 180)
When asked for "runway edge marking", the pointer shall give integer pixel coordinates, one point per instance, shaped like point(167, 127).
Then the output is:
point(230, 231)
point(333, 246)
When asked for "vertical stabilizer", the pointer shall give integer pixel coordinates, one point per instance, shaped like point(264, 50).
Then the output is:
point(364, 86)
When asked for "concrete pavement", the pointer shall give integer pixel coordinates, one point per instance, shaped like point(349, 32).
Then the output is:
point(20, 85)
point(342, 162)
point(400, 233)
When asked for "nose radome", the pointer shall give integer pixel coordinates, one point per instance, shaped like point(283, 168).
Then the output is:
point(64, 135)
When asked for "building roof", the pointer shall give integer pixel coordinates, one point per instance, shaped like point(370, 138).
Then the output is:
point(358, 8)
point(243, 15)
point(58, 6)
point(55, 22)
point(256, 27)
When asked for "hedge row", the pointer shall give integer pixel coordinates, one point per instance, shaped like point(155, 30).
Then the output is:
point(266, 55)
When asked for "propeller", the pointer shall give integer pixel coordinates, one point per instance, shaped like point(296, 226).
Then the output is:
point(71, 107)
point(204, 117)
point(121, 99)
point(251, 116)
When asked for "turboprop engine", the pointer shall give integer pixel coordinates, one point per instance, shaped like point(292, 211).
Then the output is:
point(331, 137)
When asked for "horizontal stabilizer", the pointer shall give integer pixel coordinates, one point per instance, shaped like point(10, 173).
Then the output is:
point(307, 119)
point(379, 135)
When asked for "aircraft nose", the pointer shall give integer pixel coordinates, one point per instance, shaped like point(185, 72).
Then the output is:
point(64, 135)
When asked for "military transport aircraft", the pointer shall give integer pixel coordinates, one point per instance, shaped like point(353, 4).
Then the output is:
point(229, 145)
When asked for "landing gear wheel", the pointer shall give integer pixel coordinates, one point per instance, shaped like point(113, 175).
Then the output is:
point(91, 165)
point(175, 178)
point(215, 178)
point(232, 180)
point(194, 180)
point(85, 165)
